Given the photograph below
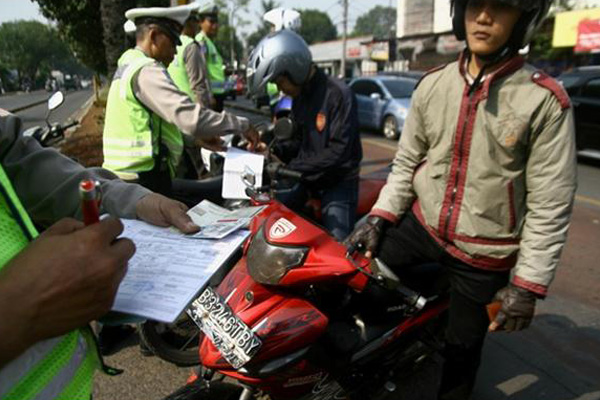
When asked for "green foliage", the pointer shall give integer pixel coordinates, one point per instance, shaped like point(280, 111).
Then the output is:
point(33, 50)
point(80, 25)
point(316, 26)
point(379, 22)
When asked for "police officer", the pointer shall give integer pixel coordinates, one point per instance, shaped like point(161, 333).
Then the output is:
point(324, 110)
point(483, 181)
point(188, 69)
point(143, 100)
point(53, 284)
point(209, 28)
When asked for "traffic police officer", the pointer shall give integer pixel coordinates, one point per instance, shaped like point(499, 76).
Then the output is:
point(209, 27)
point(143, 99)
point(53, 284)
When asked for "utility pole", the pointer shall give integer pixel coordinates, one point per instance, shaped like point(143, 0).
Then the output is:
point(344, 34)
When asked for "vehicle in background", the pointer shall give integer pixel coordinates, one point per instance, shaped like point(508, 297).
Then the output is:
point(583, 86)
point(71, 82)
point(383, 103)
point(240, 85)
point(404, 74)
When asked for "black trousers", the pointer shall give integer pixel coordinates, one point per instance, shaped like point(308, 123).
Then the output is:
point(409, 244)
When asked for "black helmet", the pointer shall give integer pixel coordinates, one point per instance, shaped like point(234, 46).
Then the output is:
point(534, 12)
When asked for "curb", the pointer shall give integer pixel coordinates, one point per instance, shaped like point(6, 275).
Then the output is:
point(25, 107)
point(247, 109)
point(83, 110)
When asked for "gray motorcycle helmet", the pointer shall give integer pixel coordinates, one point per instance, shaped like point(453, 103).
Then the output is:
point(534, 13)
point(280, 53)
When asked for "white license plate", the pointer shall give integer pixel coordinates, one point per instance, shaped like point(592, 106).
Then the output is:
point(234, 339)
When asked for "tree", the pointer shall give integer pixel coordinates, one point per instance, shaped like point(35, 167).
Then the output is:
point(80, 23)
point(379, 22)
point(265, 28)
point(113, 18)
point(33, 49)
point(223, 40)
point(232, 9)
point(316, 26)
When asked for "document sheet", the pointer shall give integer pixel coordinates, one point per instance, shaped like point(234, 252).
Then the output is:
point(237, 163)
point(168, 270)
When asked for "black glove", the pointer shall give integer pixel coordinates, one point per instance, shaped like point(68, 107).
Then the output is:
point(516, 312)
point(366, 236)
point(272, 168)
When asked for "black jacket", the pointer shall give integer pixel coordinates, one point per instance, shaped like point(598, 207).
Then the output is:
point(327, 120)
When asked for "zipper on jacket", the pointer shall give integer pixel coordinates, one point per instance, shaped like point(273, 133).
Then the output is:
point(460, 160)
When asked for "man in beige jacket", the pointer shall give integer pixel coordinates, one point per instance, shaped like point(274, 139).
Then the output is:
point(483, 181)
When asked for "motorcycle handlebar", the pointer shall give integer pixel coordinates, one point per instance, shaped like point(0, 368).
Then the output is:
point(289, 173)
point(412, 298)
point(69, 125)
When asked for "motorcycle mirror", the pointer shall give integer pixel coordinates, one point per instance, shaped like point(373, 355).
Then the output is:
point(249, 178)
point(55, 100)
point(284, 129)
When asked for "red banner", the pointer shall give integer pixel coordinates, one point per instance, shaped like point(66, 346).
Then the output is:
point(588, 36)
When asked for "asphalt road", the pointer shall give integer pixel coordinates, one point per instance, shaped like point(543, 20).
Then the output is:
point(36, 115)
point(558, 358)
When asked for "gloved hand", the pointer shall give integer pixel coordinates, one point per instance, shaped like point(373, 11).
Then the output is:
point(212, 143)
point(272, 168)
point(367, 236)
point(516, 312)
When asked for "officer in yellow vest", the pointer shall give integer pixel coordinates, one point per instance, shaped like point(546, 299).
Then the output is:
point(54, 283)
point(143, 100)
point(188, 69)
point(209, 28)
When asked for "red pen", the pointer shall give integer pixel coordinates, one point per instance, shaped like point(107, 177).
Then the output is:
point(90, 201)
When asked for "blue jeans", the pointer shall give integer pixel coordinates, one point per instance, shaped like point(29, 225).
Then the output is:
point(338, 205)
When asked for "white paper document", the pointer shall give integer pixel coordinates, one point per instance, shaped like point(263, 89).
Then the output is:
point(168, 270)
point(217, 222)
point(237, 163)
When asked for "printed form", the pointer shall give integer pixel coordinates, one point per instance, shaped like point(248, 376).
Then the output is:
point(168, 270)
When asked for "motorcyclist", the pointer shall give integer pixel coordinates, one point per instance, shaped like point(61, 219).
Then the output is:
point(53, 284)
point(483, 181)
point(143, 99)
point(324, 110)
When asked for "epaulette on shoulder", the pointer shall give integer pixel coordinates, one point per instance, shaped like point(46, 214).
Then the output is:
point(431, 71)
point(546, 81)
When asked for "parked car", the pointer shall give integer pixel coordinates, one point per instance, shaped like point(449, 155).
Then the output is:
point(583, 86)
point(383, 102)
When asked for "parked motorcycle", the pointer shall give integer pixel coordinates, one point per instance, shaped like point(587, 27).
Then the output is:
point(52, 133)
point(301, 317)
point(178, 342)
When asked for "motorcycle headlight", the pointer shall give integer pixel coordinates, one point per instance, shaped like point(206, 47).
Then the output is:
point(268, 263)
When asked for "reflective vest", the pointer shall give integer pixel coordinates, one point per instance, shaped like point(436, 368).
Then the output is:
point(214, 64)
point(131, 130)
point(273, 92)
point(59, 368)
point(177, 68)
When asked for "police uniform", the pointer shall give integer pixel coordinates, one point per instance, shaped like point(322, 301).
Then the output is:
point(39, 184)
point(214, 60)
point(144, 105)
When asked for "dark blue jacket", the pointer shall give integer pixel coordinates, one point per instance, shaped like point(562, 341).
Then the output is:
point(326, 117)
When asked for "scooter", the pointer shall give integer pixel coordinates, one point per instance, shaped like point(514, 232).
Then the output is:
point(300, 316)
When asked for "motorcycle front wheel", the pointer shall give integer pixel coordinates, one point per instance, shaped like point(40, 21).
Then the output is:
point(199, 391)
point(176, 343)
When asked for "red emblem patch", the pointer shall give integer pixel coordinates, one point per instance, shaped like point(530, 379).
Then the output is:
point(321, 121)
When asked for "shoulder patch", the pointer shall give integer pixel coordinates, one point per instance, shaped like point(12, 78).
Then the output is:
point(552, 85)
point(431, 71)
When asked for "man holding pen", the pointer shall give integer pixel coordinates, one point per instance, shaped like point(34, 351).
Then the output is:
point(54, 283)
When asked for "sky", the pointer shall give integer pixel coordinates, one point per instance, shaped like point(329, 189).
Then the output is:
point(25, 9)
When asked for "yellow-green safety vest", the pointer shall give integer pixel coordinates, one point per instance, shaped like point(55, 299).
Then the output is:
point(60, 368)
point(273, 92)
point(214, 64)
point(131, 130)
point(177, 68)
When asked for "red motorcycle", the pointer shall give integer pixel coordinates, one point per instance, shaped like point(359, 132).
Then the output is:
point(300, 316)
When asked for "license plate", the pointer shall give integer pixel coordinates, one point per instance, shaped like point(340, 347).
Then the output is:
point(232, 337)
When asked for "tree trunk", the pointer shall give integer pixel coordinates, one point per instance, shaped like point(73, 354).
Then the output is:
point(113, 18)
